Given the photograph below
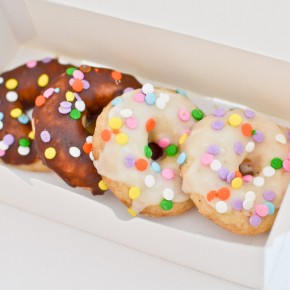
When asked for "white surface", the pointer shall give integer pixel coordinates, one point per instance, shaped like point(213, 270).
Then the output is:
point(36, 253)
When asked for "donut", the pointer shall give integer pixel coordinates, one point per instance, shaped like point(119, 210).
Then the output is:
point(237, 169)
point(61, 116)
point(18, 91)
point(136, 149)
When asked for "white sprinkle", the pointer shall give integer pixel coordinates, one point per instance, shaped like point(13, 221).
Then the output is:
point(126, 113)
point(80, 105)
point(250, 195)
point(89, 139)
point(149, 180)
point(1, 125)
point(3, 145)
point(269, 171)
point(259, 181)
point(165, 97)
point(216, 165)
point(11, 96)
point(63, 61)
point(250, 146)
point(168, 193)
point(1, 80)
point(147, 88)
point(23, 150)
point(247, 204)
point(91, 156)
point(74, 152)
point(221, 207)
point(281, 138)
point(160, 104)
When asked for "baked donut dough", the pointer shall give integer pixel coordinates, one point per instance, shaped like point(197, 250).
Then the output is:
point(18, 90)
point(61, 115)
point(136, 147)
point(237, 169)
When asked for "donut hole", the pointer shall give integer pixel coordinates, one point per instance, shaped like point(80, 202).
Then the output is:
point(157, 151)
point(249, 167)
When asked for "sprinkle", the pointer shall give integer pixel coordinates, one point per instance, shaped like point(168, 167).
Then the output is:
point(249, 114)
point(1, 116)
point(258, 136)
point(23, 119)
point(69, 96)
point(235, 120)
point(255, 220)
point(147, 151)
point(181, 92)
point(166, 204)
point(116, 101)
point(280, 138)
point(89, 139)
point(286, 165)
point(106, 135)
point(47, 60)
point(91, 155)
point(168, 194)
point(75, 114)
point(247, 204)
point(155, 167)
point(129, 161)
point(150, 124)
point(3, 146)
point(207, 159)
point(45, 136)
point(64, 111)
point(258, 181)
point(211, 195)
point(69, 71)
point(268, 171)
point(129, 89)
point(121, 138)
point(213, 149)
point(160, 104)
point(11, 96)
point(134, 192)
point(116, 75)
point(102, 185)
point(238, 148)
point(277, 163)
point(56, 90)
point(65, 104)
point(23, 151)
point(221, 207)
point(11, 84)
point(163, 142)
point(219, 112)
point(223, 193)
point(216, 165)
point(126, 113)
point(149, 180)
point(271, 207)
point(147, 88)
point(77, 85)
point(1, 125)
point(165, 97)
point(40, 101)
point(31, 135)
point(269, 195)
point(87, 147)
point(237, 183)
point(171, 150)
point(1, 80)
point(131, 123)
point(230, 177)
point(247, 129)
point(139, 97)
point(261, 210)
point(141, 164)
point(74, 152)
point(24, 142)
point(80, 106)
point(15, 113)
point(183, 114)
point(8, 139)
point(77, 74)
point(223, 173)
point(31, 64)
point(250, 146)
point(150, 99)
point(2, 152)
point(132, 212)
point(167, 174)
point(49, 153)
point(237, 204)
point(197, 114)
point(217, 125)
point(250, 195)
point(48, 92)
point(182, 138)
point(43, 80)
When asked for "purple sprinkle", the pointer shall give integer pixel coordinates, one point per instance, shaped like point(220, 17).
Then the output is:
point(77, 96)
point(238, 147)
point(237, 204)
point(249, 114)
point(2, 153)
point(8, 139)
point(213, 149)
point(269, 195)
point(219, 112)
point(258, 137)
point(129, 161)
point(86, 84)
point(223, 173)
point(129, 89)
point(230, 177)
point(217, 125)
point(255, 220)
point(65, 104)
point(71, 81)
point(45, 136)
point(47, 60)
point(64, 110)
point(288, 135)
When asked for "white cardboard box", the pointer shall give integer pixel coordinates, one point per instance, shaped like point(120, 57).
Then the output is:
point(35, 29)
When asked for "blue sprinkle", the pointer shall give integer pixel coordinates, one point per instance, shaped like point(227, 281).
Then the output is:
point(181, 158)
point(181, 92)
point(116, 101)
point(155, 167)
point(1, 116)
point(271, 207)
point(56, 90)
point(23, 119)
point(150, 99)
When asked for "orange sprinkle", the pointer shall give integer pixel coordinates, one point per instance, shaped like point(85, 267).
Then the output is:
point(150, 125)
point(116, 75)
point(141, 164)
point(247, 129)
point(77, 85)
point(238, 174)
point(96, 69)
point(87, 147)
point(115, 131)
point(106, 135)
point(211, 195)
point(224, 193)
point(40, 101)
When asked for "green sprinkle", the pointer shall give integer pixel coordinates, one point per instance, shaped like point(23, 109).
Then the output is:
point(197, 114)
point(254, 132)
point(24, 142)
point(277, 163)
point(171, 150)
point(147, 151)
point(166, 204)
point(69, 71)
point(75, 114)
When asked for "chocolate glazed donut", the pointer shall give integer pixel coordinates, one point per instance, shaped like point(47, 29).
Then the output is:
point(61, 116)
point(18, 90)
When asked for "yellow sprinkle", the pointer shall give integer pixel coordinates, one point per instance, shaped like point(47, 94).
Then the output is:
point(134, 192)
point(11, 84)
point(237, 183)
point(31, 135)
point(115, 123)
point(49, 153)
point(235, 120)
point(43, 80)
point(15, 113)
point(122, 138)
point(132, 212)
point(103, 185)
point(69, 96)
point(182, 138)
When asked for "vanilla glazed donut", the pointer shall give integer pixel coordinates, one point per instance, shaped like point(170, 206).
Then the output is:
point(18, 90)
point(61, 116)
point(237, 169)
point(136, 144)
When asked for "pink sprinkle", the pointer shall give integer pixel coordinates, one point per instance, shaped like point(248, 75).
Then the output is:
point(185, 131)
point(139, 97)
point(131, 122)
point(2, 153)
point(167, 174)
point(286, 165)
point(206, 159)
point(47, 93)
point(31, 64)
point(77, 74)
point(183, 114)
point(262, 210)
point(247, 178)
point(163, 142)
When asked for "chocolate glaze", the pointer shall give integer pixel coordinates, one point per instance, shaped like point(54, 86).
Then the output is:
point(66, 132)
